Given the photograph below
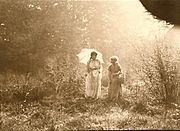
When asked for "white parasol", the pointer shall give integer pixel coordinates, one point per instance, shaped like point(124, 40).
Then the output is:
point(85, 55)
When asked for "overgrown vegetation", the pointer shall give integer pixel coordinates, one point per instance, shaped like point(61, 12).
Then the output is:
point(157, 70)
point(42, 83)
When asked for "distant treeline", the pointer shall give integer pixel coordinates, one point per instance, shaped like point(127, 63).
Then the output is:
point(32, 31)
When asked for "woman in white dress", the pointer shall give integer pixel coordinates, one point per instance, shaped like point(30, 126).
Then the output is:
point(93, 79)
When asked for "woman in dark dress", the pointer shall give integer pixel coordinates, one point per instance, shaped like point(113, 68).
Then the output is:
point(114, 70)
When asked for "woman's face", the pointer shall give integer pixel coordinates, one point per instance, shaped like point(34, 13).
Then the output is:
point(113, 61)
point(94, 56)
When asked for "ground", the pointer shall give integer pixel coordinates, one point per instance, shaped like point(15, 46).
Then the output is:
point(54, 114)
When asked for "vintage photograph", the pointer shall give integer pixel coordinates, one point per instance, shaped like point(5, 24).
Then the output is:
point(89, 65)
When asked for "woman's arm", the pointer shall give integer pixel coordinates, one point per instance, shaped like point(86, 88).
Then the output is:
point(119, 71)
point(109, 73)
point(100, 68)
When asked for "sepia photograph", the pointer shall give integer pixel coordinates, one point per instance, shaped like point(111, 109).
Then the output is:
point(89, 65)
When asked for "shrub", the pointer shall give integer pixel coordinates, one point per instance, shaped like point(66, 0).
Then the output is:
point(64, 75)
point(158, 69)
point(61, 79)
point(23, 88)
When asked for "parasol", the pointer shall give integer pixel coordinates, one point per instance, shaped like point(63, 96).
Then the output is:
point(85, 55)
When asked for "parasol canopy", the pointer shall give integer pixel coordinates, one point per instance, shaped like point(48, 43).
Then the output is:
point(85, 55)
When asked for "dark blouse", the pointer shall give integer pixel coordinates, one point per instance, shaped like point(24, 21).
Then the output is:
point(114, 68)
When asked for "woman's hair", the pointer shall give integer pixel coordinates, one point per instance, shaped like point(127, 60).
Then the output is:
point(114, 58)
point(93, 53)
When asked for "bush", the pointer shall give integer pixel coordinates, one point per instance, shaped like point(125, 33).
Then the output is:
point(158, 69)
point(23, 88)
point(64, 75)
point(61, 79)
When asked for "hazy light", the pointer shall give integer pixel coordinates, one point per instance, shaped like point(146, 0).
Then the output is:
point(38, 7)
point(30, 5)
point(173, 36)
point(55, 4)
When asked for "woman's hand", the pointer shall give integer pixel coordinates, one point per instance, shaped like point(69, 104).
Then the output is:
point(115, 74)
point(95, 68)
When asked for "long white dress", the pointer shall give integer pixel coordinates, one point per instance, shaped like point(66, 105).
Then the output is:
point(93, 79)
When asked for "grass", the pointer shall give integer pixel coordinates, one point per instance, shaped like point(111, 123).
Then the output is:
point(85, 114)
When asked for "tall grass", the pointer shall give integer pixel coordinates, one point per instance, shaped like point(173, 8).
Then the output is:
point(58, 79)
point(158, 69)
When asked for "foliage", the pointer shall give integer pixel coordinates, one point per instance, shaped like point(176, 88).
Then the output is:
point(34, 31)
point(56, 80)
point(31, 31)
point(42, 83)
point(158, 70)
point(23, 88)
